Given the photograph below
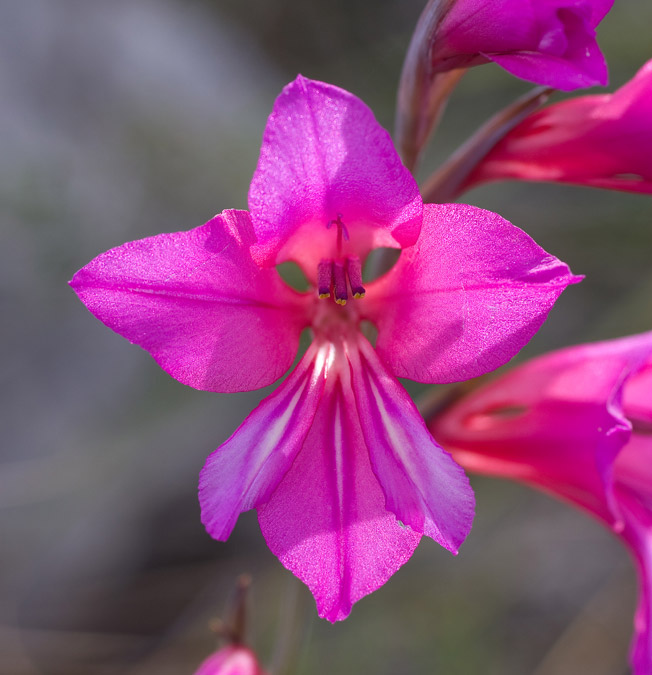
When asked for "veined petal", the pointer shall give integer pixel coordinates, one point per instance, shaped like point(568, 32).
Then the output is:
point(423, 486)
point(465, 299)
point(198, 303)
point(243, 472)
point(327, 521)
point(324, 154)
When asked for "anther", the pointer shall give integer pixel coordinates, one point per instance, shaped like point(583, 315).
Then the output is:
point(339, 283)
point(354, 268)
point(324, 278)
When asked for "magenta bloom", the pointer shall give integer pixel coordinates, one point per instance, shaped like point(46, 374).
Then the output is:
point(341, 467)
point(602, 141)
point(550, 42)
point(576, 423)
point(231, 660)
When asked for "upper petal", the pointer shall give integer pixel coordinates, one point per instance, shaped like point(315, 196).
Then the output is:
point(423, 486)
point(244, 471)
point(327, 520)
point(199, 304)
point(324, 154)
point(465, 299)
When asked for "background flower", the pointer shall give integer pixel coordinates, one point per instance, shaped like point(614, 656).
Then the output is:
point(575, 423)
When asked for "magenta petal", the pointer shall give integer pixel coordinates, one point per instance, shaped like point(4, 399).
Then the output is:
point(327, 521)
point(423, 486)
point(324, 154)
point(637, 510)
point(555, 71)
point(465, 299)
point(243, 472)
point(600, 141)
point(199, 304)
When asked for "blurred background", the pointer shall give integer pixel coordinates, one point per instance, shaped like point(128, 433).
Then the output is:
point(123, 119)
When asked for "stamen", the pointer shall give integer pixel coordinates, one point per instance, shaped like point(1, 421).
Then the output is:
point(354, 269)
point(339, 283)
point(324, 278)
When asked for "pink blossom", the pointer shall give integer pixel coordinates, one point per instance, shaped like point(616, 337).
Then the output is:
point(231, 660)
point(575, 423)
point(337, 460)
point(550, 42)
point(602, 141)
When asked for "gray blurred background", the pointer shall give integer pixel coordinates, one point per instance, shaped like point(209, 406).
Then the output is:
point(123, 119)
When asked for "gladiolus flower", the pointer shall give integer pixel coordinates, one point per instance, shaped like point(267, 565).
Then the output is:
point(577, 424)
point(341, 467)
point(549, 42)
point(231, 660)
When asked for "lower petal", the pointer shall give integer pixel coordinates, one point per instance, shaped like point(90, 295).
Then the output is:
point(423, 485)
point(327, 521)
point(243, 472)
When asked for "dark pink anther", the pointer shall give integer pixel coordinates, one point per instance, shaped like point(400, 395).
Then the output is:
point(354, 268)
point(324, 278)
point(339, 283)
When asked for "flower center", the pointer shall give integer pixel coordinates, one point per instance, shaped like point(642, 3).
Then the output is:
point(336, 275)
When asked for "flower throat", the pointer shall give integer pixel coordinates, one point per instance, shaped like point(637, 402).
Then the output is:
point(333, 273)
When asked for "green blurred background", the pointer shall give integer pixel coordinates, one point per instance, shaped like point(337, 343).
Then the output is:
point(127, 118)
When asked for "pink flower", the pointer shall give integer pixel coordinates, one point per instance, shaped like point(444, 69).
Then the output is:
point(341, 467)
point(550, 42)
point(602, 141)
point(576, 423)
point(231, 660)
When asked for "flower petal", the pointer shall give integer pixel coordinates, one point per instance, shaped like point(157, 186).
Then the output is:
point(465, 299)
point(600, 141)
point(637, 511)
point(243, 472)
point(324, 154)
point(327, 521)
point(199, 304)
point(423, 486)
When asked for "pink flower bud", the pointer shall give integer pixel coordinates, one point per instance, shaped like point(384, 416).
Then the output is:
point(232, 660)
